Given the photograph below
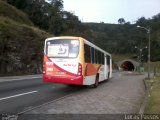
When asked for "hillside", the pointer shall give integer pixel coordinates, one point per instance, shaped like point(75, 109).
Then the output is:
point(11, 12)
point(115, 38)
point(20, 42)
point(122, 38)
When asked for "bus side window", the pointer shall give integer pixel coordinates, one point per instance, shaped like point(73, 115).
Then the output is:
point(108, 60)
point(99, 57)
point(96, 56)
point(87, 54)
point(93, 55)
point(102, 55)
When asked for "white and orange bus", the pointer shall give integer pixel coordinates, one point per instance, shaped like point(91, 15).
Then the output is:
point(74, 60)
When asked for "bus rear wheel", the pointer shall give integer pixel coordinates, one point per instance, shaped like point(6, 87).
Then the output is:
point(96, 82)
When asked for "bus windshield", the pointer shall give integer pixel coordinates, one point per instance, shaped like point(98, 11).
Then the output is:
point(62, 48)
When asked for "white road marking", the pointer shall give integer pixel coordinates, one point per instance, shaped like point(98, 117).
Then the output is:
point(17, 95)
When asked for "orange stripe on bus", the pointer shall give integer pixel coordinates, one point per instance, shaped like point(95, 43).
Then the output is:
point(91, 69)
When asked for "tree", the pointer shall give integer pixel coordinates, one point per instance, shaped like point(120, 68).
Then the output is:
point(70, 21)
point(121, 21)
point(57, 4)
point(142, 21)
point(55, 16)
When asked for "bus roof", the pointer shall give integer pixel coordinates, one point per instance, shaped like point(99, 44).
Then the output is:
point(85, 41)
point(62, 37)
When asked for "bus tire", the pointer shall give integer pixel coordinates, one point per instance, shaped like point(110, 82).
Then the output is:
point(108, 75)
point(96, 81)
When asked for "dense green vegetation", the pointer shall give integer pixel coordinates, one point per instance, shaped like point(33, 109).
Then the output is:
point(122, 38)
point(11, 12)
point(21, 42)
point(47, 16)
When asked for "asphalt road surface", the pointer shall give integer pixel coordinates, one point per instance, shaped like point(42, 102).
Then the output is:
point(18, 96)
point(124, 88)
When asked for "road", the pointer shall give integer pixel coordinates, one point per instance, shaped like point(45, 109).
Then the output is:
point(17, 96)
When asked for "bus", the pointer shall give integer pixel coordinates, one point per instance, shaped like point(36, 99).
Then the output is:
point(75, 61)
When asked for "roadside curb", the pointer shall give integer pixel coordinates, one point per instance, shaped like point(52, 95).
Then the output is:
point(142, 108)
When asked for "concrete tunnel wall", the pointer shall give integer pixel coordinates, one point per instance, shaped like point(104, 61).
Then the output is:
point(127, 65)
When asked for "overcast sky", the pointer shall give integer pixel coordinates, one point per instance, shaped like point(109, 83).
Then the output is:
point(109, 11)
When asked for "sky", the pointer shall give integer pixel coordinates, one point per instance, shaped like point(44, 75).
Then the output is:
point(109, 11)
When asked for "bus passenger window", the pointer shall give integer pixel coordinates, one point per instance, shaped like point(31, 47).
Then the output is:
point(87, 54)
point(96, 56)
point(93, 55)
point(108, 60)
point(99, 57)
point(102, 58)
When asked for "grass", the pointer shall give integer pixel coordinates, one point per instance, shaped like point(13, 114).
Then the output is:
point(154, 67)
point(10, 27)
point(153, 103)
point(11, 12)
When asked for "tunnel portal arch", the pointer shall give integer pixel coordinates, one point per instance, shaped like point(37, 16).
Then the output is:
point(127, 66)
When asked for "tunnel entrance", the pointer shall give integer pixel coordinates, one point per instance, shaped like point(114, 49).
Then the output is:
point(127, 66)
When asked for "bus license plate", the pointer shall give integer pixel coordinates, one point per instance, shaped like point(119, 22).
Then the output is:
point(60, 73)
